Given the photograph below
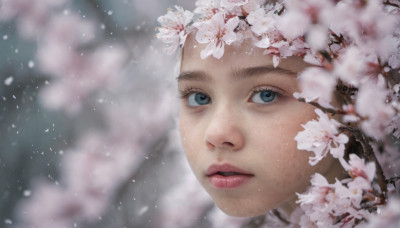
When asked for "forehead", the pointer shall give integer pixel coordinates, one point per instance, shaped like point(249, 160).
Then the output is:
point(235, 56)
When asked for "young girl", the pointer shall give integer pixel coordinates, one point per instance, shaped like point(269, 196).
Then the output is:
point(246, 135)
point(238, 121)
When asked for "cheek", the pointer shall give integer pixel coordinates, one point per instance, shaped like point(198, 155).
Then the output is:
point(285, 163)
point(191, 140)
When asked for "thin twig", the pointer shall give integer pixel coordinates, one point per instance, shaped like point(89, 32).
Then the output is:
point(328, 110)
point(370, 155)
point(387, 2)
point(393, 179)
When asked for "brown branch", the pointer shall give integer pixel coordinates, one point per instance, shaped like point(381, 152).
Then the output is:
point(327, 110)
point(388, 3)
point(370, 155)
point(281, 11)
point(392, 180)
point(338, 39)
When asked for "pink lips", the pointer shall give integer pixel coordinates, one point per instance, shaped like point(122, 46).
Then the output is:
point(225, 176)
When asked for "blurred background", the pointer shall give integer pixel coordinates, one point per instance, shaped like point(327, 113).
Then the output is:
point(87, 119)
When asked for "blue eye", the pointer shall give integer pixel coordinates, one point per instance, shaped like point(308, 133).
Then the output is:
point(197, 99)
point(262, 97)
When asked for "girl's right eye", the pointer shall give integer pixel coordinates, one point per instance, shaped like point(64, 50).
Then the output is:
point(197, 99)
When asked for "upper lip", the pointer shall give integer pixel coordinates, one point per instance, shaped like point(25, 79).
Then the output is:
point(224, 168)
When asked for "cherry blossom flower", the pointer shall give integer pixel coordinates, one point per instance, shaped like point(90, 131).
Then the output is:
point(352, 66)
point(317, 37)
point(241, 7)
point(49, 207)
point(173, 30)
point(351, 115)
point(31, 15)
point(324, 203)
point(316, 83)
point(322, 137)
point(216, 32)
point(301, 15)
point(207, 8)
point(371, 103)
point(357, 168)
point(261, 21)
point(230, 4)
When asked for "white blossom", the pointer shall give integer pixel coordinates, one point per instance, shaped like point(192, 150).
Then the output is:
point(260, 21)
point(173, 30)
point(316, 83)
point(322, 137)
point(371, 103)
point(216, 33)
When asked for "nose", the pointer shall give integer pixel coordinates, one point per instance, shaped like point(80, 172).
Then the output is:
point(223, 131)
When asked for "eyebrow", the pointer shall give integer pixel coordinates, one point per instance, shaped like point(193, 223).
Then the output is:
point(238, 74)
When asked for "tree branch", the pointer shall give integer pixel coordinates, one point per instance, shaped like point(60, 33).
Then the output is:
point(370, 155)
point(327, 110)
point(388, 3)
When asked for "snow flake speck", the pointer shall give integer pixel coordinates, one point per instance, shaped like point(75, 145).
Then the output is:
point(31, 64)
point(8, 80)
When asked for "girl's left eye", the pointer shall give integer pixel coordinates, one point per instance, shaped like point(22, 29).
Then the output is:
point(263, 97)
point(197, 99)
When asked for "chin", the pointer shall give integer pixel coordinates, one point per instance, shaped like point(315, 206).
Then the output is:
point(247, 209)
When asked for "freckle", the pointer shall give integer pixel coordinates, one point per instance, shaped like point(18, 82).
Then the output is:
point(219, 159)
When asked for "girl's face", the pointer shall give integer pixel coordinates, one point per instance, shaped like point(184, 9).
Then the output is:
point(238, 120)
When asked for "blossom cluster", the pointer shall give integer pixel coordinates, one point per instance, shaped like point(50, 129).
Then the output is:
point(78, 71)
point(225, 22)
point(353, 52)
point(78, 63)
point(345, 202)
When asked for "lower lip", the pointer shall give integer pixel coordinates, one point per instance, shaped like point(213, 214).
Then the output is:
point(228, 182)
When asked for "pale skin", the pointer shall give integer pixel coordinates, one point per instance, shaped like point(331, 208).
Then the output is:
point(239, 110)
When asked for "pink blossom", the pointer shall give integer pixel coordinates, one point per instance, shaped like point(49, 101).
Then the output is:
point(63, 93)
point(331, 205)
point(173, 30)
point(50, 206)
point(321, 137)
point(371, 103)
point(279, 49)
point(351, 115)
point(64, 34)
point(261, 22)
point(230, 4)
point(216, 33)
point(352, 66)
point(79, 75)
point(316, 83)
point(32, 15)
point(301, 14)
point(241, 7)
point(207, 8)
point(317, 37)
point(358, 168)
point(315, 204)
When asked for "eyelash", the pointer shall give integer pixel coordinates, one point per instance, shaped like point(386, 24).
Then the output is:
point(265, 89)
point(185, 93)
